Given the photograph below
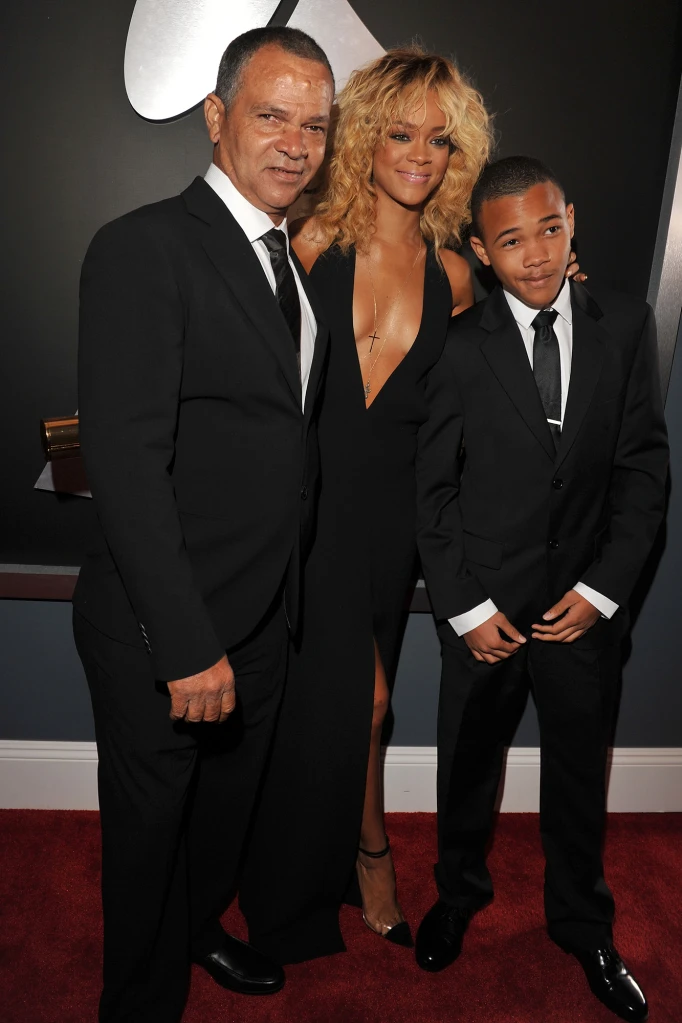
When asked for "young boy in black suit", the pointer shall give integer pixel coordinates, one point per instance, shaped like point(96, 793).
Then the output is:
point(542, 486)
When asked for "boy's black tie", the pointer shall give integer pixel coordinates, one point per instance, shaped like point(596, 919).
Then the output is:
point(287, 292)
point(547, 369)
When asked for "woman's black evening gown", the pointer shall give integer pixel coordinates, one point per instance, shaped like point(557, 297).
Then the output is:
point(357, 585)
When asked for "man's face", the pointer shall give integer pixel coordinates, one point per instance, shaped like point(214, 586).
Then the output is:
point(271, 141)
point(527, 241)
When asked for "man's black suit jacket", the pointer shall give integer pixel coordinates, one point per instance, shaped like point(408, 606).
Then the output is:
point(502, 514)
point(201, 461)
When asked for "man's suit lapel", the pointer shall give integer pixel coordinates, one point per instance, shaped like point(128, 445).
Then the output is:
point(506, 355)
point(586, 364)
point(232, 254)
point(321, 338)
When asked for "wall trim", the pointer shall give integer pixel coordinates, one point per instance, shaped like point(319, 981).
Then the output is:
point(63, 775)
point(48, 775)
point(641, 780)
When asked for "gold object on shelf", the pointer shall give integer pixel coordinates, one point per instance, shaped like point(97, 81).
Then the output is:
point(60, 437)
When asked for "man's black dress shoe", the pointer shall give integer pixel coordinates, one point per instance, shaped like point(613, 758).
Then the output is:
point(241, 967)
point(440, 934)
point(613, 984)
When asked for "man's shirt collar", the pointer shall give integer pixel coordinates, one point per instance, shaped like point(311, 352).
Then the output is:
point(253, 222)
point(524, 314)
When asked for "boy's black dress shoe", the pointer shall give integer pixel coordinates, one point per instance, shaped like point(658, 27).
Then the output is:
point(440, 934)
point(241, 967)
point(613, 984)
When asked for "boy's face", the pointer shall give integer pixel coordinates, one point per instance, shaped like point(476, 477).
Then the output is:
point(527, 241)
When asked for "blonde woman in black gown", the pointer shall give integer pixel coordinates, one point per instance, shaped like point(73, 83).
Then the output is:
point(411, 140)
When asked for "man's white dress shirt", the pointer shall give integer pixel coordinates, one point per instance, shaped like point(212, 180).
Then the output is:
point(563, 328)
point(255, 223)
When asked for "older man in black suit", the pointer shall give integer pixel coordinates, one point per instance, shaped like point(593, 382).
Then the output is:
point(201, 356)
point(542, 486)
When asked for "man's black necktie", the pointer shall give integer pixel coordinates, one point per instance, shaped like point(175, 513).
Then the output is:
point(547, 369)
point(287, 292)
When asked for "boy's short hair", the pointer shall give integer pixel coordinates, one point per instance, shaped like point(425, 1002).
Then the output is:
point(513, 175)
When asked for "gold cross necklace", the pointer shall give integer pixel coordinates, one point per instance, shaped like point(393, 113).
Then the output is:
point(374, 336)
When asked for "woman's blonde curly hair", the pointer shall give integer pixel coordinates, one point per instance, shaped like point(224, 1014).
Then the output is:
point(374, 98)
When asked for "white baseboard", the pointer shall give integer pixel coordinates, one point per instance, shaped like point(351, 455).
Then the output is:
point(48, 775)
point(63, 775)
point(640, 780)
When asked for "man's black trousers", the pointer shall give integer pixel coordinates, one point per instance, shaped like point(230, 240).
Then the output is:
point(175, 801)
point(575, 691)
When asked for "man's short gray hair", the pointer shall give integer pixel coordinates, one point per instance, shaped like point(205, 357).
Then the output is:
point(244, 47)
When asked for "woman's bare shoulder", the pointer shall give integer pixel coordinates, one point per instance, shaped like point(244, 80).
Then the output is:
point(456, 267)
point(461, 281)
point(307, 240)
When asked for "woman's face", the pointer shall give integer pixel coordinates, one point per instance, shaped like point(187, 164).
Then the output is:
point(414, 158)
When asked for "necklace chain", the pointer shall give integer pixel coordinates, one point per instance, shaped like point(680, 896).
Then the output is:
point(390, 313)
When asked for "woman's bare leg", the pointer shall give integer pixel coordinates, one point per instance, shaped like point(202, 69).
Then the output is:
point(377, 876)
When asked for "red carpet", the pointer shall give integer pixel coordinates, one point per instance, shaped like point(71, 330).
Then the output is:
point(509, 972)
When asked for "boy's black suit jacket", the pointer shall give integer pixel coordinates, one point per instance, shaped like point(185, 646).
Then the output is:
point(201, 462)
point(502, 514)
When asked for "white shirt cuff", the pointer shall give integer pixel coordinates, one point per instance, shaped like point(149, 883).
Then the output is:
point(606, 607)
point(472, 619)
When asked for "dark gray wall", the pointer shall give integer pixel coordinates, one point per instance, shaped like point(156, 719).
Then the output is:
point(77, 155)
point(43, 691)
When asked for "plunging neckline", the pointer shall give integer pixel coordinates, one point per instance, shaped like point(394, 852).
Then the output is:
point(353, 264)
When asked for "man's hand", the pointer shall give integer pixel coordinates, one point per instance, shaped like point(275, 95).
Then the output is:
point(208, 696)
point(486, 642)
point(579, 617)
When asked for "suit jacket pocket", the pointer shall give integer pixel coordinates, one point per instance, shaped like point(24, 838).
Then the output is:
point(487, 553)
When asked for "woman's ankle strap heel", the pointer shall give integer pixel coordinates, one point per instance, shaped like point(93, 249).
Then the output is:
point(376, 855)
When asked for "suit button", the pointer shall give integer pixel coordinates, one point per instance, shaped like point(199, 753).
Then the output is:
point(557, 484)
point(304, 493)
point(554, 544)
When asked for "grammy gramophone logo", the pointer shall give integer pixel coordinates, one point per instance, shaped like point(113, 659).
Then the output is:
point(174, 46)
